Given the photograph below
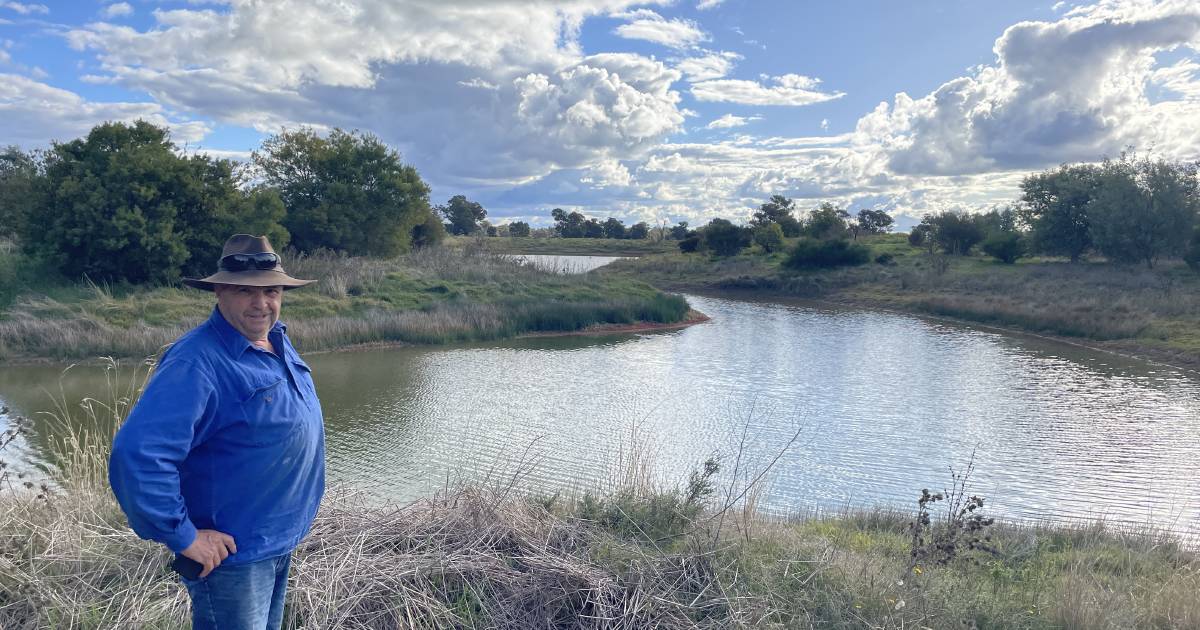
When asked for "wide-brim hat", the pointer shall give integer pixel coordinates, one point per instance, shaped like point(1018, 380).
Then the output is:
point(250, 245)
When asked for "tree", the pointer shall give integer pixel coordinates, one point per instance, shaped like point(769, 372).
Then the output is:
point(122, 204)
point(922, 236)
point(638, 231)
point(779, 210)
point(827, 221)
point(997, 220)
point(692, 241)
point(518, 228)
point(769, 237)
point(1192, 255)
point(593, 229)
point(679, 232)
point(724, 238)
point(20, 172)
point(463, 214)
point(1144, 209)
point(955, 232)
point(346, 191)
point(1055, 207)
point(430, 231)
point(613, 228)
point(568, 225)
point(872, 222)
point(1006, 247)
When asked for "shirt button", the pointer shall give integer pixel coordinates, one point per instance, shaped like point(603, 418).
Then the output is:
point(268, 399)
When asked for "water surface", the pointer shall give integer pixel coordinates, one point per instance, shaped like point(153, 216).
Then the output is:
point(884, 404)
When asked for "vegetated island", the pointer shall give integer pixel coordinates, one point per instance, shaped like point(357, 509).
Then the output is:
point(439, 294)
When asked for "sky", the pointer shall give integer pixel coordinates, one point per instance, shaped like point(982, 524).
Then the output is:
point(662, 111)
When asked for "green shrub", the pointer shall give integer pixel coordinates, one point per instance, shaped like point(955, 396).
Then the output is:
point(1192, 255)
point(1006, 247)
point(123, 204)
point(816, 253)
point(885, 259)
point(690, 244)
point(724, 238)
point(769, 237)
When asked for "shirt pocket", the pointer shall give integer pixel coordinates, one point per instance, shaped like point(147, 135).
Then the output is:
point(304, 379)
point(268, 414)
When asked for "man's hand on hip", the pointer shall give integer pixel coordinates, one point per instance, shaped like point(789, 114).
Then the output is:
point(210, 548)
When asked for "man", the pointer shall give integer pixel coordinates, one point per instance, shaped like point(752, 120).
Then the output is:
point(223, 458)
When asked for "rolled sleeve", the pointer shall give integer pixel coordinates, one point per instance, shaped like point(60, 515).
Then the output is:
point(174, 414)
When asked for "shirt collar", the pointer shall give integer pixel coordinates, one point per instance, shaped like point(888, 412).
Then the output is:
point(234, 341)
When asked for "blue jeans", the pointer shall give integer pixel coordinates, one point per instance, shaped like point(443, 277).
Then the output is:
point(241, 597)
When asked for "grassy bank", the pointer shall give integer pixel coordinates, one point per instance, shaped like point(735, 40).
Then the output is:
point(568, 246)
point(437, 295)
point(1129, 308)
point(634, 557)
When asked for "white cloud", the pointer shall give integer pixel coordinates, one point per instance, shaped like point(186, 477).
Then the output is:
point(117, 9)
point(31, 113)
point(824, 124)
point(1070, 90)
point(479, 83)
point(729, 121)
point(1182, 78)
point(476, 94)
point(25, 9)
point(608, 173)
point(707, 67)
point(789, 89)
point(704, 5)
point(649, 26)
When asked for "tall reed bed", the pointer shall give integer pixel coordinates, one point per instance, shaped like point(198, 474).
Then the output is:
point(643, 553)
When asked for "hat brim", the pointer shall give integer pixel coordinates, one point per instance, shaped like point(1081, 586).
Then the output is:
point(252, 278)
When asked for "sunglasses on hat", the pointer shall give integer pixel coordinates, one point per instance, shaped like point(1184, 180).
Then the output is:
point(244, 262)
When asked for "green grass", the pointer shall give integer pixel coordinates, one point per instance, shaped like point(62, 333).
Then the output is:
point(439, 295)
point(1152, 312)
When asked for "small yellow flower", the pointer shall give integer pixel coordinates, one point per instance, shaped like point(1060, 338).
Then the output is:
point(917, 570)
point(858, 605)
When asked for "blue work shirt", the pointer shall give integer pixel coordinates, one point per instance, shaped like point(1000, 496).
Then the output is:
point(226, 436)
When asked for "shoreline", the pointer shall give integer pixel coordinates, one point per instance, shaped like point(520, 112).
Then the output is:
point(693, 317)
point(1124, 348)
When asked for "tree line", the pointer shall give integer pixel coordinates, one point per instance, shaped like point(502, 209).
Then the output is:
point(1132, 210)
point(825, 236)
point(125, 204)
point(1128, 210)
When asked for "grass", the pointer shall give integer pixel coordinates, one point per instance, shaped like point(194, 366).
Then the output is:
point(634, 556)
point(437, 295)
point(568, 246)
point(1153, 312)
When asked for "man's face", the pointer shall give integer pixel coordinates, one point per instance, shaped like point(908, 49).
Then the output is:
point(251, 310)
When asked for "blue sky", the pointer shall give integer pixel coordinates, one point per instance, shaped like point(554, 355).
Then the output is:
point(660, 111)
